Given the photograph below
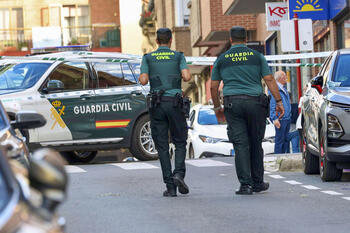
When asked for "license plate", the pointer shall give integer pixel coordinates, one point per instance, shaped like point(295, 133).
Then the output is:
point(232, 152)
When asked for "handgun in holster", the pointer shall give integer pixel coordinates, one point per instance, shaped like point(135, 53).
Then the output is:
point(156, 98)
point(265, 102)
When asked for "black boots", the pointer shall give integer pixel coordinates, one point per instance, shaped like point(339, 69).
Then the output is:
point(245, 190)
point(261, 187)
point(170, 191)
point(248, 190)
point(180, 183)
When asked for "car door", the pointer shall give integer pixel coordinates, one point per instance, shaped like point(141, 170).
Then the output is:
point(314, 99)
point(120, 99)
point(71, 115)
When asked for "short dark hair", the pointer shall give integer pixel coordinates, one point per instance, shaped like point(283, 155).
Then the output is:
point(164, 35)
point(238, 34)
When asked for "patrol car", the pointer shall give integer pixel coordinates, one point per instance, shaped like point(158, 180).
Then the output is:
point(91, 102)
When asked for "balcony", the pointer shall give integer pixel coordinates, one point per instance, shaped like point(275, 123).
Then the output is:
point(234, 7)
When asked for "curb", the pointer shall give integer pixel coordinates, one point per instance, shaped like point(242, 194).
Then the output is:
point(283, 162)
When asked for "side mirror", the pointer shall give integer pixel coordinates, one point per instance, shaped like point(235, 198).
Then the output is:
point(54, 85)
point(48, 176)
point(317, 83)
point(28, 120)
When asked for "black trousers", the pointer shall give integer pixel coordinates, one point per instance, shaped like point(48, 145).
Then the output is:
point(165, 117)
point(246, 124)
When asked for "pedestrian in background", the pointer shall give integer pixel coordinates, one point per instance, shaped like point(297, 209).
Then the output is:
point(165, 68)
point(282, 123)
point(245, 107)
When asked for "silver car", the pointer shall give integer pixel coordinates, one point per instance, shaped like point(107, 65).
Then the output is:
point(326, 119)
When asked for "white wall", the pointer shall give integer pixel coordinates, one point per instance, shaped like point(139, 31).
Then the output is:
point(131, 34)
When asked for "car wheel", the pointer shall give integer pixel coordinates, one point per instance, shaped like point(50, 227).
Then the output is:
point(310, 162)
point(191, 152)
point(142, 145)
point(328, 170)
point(79, 156)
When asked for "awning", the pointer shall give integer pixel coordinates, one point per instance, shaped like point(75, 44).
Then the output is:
point(238, 7)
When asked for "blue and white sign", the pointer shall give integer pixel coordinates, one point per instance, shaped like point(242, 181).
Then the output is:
point(309, 9)
point(336, 6)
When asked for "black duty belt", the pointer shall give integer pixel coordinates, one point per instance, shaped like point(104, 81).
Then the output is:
point(167, 98)
point(245, 97)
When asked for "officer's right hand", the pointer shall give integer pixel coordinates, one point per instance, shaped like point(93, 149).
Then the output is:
point(280, 110)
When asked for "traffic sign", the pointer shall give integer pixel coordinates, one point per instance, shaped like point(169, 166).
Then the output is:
point(305, 35)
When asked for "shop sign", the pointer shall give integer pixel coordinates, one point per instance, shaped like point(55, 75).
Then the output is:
point(336, 6)
point(309, 9)
point(275, 12)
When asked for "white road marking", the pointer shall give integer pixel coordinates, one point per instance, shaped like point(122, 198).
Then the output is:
point(332, 193)
point(269, 159)
point(134, 166)
point(265, 172)
point(277, 177)
point(293, 182)
point(207, 163)
point(311, 187)
point(73, 169)
point(346, 198)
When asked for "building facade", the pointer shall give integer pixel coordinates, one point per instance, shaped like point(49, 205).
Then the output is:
point(94, 22)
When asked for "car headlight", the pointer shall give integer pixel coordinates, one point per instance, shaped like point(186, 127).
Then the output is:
point(335, 130)
point(207, 139)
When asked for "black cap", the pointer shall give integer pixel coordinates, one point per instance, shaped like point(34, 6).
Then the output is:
point(164, 31)
point(164, 35)
point(238, 33)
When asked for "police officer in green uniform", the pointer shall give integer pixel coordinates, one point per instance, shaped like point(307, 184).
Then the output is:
point(165, 69)
point(245, 107)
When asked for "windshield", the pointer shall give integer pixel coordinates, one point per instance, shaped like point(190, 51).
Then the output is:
point(207, 117)
point(341, 77)
point(21, 76)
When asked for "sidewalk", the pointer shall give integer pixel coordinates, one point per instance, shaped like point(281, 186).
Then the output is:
point(283, 162)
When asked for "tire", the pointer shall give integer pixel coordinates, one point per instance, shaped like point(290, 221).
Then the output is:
point(142, 145)
point(328, 170)
point(310, 162)
point(79, 156)
point(191, 152)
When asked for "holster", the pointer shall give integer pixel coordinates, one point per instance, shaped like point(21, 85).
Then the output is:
point(265, 102)
point(155, 98)
point(184, 103)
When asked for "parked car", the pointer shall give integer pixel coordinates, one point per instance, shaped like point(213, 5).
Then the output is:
point(12, 142)
point(90, 104)
point(32, 208)
point(326, 119)
point(208, 138)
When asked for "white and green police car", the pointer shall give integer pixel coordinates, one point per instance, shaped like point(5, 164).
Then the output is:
point(90, 104)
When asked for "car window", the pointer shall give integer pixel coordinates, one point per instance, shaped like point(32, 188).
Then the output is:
point(207, 117)
point(5, 193)
point(73, 75)
point(109, 75)
point(324, 65)
point(192, 115)
point(342, 72)
point(136, 69)
point(129, 78)
point(22, 75)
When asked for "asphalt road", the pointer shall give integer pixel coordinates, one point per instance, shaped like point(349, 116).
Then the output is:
point(127, 197)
